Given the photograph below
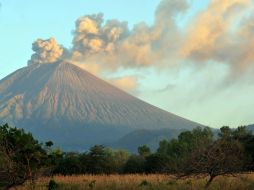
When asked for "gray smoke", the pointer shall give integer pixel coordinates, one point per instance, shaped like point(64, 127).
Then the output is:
point(46, 51)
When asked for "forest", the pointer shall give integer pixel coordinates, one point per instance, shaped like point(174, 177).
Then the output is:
point(198, 153)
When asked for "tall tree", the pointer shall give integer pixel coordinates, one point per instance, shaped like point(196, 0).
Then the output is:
point(22, 156)
point(97, 160)
point(224, 156)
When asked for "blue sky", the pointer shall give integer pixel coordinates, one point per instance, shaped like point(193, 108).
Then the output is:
point(22, 22)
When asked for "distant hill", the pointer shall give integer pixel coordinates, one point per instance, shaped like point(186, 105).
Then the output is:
point(66, 104)
point(151, 138)
point(251, 127)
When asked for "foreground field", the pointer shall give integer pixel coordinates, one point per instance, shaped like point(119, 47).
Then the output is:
point(142, 182)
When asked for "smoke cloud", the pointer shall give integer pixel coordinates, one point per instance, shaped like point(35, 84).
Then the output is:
point(46, 51)
point(113, 45)
point(222, 34)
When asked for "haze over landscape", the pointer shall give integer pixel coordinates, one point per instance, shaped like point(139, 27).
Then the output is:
point(190, 58)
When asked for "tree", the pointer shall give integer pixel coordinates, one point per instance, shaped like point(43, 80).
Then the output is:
point(116, 160)
point(157, 163)
point(225, 156)
point(178, 150)
point(22, 156)
point(225, 132)
point(54, 161)
point(49, 144)
point(135, 164)
point(243, 136)
point(163, 147)
point(186, 142)
point(246, 138)
point(69, 164)
point(144, 151)
point(97, 160)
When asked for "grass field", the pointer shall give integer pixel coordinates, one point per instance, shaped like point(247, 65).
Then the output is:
point(142, 182)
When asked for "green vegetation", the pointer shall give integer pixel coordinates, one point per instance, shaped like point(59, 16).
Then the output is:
point(194, 154)
point(22, 157)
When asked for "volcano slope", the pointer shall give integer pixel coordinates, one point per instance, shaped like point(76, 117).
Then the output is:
point(75, 109)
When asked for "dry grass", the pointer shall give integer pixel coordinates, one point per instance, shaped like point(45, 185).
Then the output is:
point(142, 182)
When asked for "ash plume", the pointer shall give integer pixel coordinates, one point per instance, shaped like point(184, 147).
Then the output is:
point(46, 51)
point(222, 33)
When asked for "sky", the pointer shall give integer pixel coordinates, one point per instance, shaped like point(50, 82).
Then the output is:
point(189, 57)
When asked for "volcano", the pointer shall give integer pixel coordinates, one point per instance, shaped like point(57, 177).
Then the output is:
point(75, 109)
